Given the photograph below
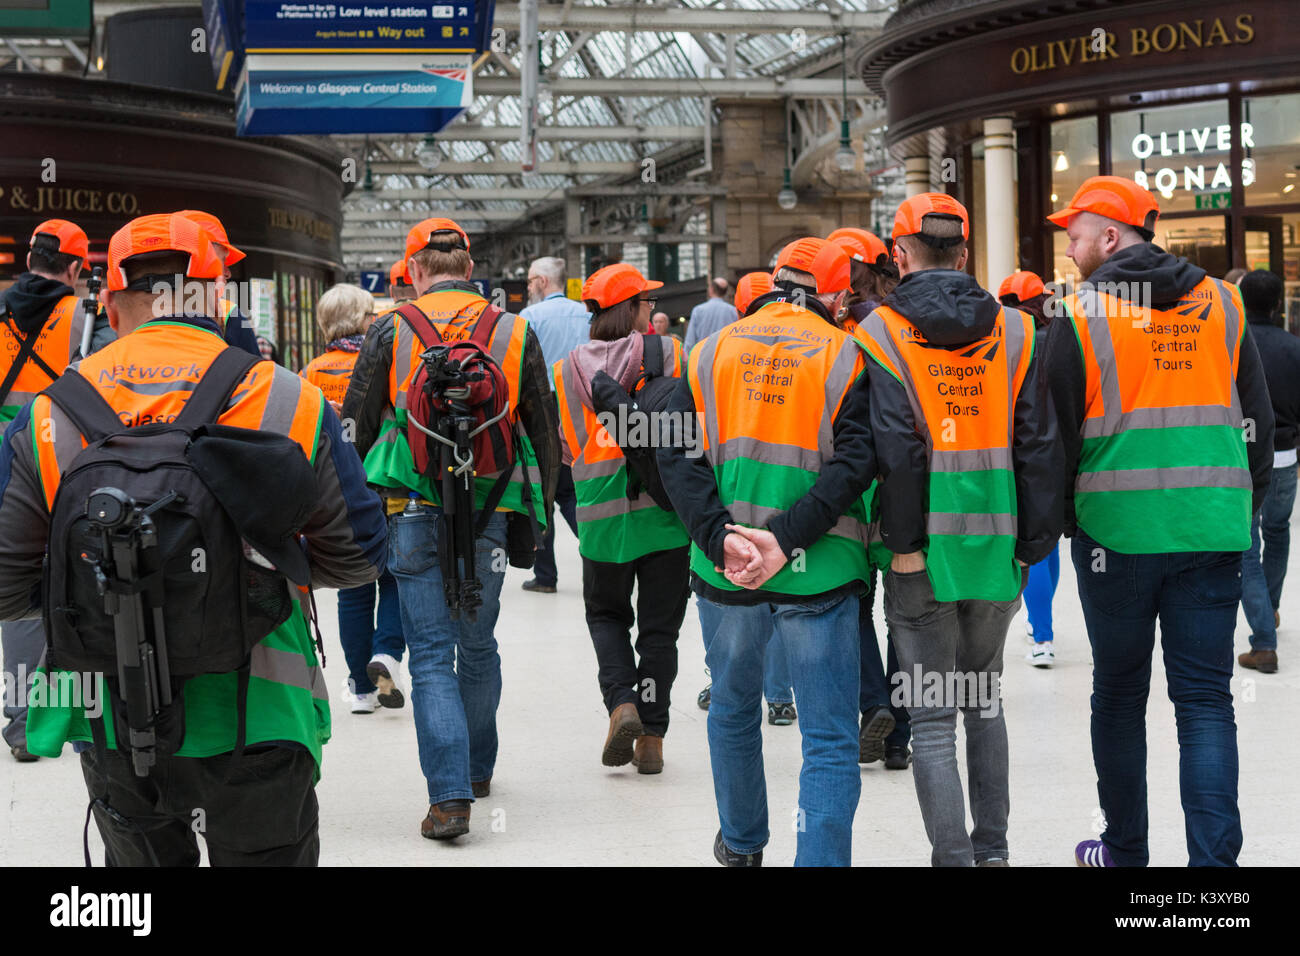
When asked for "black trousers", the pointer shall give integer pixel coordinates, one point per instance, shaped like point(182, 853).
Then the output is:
point(265, 814)
point(662, 582)
point(566, 501)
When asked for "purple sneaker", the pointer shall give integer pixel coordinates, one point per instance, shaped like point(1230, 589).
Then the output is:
point(1092, 853)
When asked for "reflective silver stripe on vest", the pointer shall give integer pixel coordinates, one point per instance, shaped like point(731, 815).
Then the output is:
point(67, 439)
point(875, 326)
point(757, 516)
point(405, 338)
point(970, 459)
point(1013, 336)
point(606, 468)
point(578, 418)
point(1232, 321)
point(288, 668)
point(1103, 349)
point(1175, 416)
point(78, 330)
point(501, 338)
point(946, 522)
point(282, 403)
point(837, 382)
point(746, 446)
point(615, 507)
point(1156, 479)
point(708, 394)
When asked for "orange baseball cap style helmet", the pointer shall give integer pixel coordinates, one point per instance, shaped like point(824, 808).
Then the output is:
point(1115, 198)
point(71, 238)
point(397, 273)
point(1023, 285)
point(826, 262)
point(614, 284)
point(911, 215)
point(860, 244)
point(750, 287)
point(164, 232)
point(421, 237)
point(212, 225)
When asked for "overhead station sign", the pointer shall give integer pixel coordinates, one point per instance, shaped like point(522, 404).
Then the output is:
point(278, 26)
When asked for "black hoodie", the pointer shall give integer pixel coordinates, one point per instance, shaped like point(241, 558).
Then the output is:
point(31, 299)
point(951, 310)
point(1170, 279)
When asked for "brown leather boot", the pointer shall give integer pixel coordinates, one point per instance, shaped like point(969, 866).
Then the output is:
point(649, 754)
point(1263, 661)
point(624, 728)
point(446, 820)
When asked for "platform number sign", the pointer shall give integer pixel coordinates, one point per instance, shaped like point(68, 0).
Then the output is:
point(374, 282)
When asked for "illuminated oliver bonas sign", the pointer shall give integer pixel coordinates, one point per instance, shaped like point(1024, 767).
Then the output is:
point(1194, 143)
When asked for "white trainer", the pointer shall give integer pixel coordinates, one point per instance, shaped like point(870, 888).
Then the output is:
point(365, 703)
point(384, 672)
point(1041, 655)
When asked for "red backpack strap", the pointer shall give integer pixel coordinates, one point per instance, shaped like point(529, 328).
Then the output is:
point(484, 326)
point(425, 330)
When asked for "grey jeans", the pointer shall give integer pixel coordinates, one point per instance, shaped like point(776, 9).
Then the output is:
point(24, 645)
point(950, 659)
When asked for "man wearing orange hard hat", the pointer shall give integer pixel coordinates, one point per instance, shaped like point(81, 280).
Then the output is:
point(1025, 291)
point(1168, 432)
point(217, 701)
point(42, 329)
point(970, 468)
point(873, 272)
point(777, 511)
point(237, 328)
point(454, 665)
point(399, 283)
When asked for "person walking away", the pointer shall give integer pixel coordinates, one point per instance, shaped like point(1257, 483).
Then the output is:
point(1025, 291)
point(561, 325)
point(777, 509)
point(43, 327)
point(1263, 567)
point(627, 543)
point(373, 651)
point(1157, 382)
point(970, 476)
point(399, 283)
point(454, 665)
point(237, 327)
point(259, 804)
point(714, 313)
point(884, 729)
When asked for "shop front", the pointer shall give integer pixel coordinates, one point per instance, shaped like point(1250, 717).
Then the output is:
point(1011, 106)
point(100, 153)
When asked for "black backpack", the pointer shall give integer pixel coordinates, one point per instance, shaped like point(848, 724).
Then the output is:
point(211, 593)
point(649, 397)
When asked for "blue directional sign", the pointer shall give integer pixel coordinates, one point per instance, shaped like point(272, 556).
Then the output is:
point(376, 282)
point(366, 26)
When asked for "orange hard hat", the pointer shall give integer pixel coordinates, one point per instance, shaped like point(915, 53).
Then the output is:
point(1115, 198)
point(750, 287)
point(614, 284)
point(911, 214)
point(826, 262)
point(1023, 285)
point(71, 238)
point(422, 233)
point(163, 232)
point(860, 244)
point(397, 273)
point(216, 230)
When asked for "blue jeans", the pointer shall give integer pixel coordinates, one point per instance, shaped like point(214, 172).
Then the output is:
point(821, 645)
point(361, 636)
point(1195, 597)
point(1261, 580)
point(874, 677)
point(776, 668)
point(455, 668)
point(1039, 592)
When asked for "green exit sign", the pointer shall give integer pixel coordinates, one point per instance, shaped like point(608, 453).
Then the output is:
point(36, 18)
point(1213, 200)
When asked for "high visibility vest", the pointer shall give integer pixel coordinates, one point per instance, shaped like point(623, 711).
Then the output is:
point(963, 401)
point(148, 376)
point(1163, 465)
point(611, 526)
point(57, 344)
point(332, 373)
point(389, 463)
point(767, 389)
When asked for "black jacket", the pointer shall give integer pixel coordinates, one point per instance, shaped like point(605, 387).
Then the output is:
point(691, 485)
point(1279, 353)
point(951, 310)
point(32, 298)
point(1170, 279)
point(367, 395)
